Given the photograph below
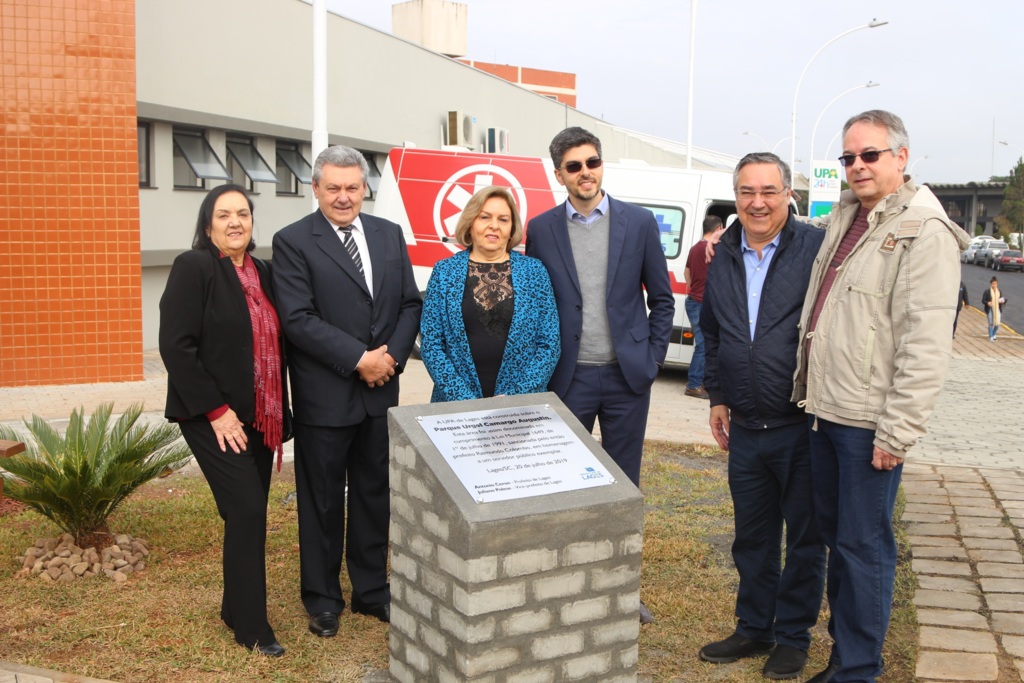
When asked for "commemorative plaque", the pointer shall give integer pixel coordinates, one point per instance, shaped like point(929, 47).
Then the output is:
point(514, 452)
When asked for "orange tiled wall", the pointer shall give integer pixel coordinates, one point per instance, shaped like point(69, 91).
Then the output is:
point(70, 280)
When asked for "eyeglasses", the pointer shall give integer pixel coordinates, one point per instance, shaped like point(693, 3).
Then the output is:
point(573, 167)
point(768, 195)
point(869, 157)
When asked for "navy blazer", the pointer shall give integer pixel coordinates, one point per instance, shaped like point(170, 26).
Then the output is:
point(532, 347)
point(755, 378)
point(636, 262)
point(206, 337)
point(330, 319)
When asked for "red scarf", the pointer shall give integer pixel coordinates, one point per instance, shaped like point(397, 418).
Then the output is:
point(266, 345)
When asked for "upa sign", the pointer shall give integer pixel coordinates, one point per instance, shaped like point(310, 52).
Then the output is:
point(826, 184)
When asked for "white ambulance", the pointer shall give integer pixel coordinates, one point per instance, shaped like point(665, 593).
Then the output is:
point(425, 191)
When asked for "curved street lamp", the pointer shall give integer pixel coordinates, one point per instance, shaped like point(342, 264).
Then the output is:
point(828, 150)
point(1010, 144)
point(910, 172)
point(874, 23)
point(766, 146)
point(814, 132)
point(776, 145)
point(747, 132)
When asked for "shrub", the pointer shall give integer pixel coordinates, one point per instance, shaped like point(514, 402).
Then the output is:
point(77, 480)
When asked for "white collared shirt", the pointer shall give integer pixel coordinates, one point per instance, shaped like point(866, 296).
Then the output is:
point(364, 251)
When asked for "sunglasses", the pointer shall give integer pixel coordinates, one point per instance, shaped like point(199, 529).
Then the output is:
point(868, 157)
point(577, 166)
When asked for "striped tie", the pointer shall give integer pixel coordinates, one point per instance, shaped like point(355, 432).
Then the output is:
point(352, 248)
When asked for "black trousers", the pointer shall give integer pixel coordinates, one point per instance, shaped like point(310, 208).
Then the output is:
point(326, 459)
point(241, 484)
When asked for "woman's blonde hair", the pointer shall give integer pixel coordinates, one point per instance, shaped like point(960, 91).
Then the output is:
point(476, 205)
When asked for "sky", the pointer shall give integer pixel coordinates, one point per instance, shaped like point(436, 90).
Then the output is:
point(951, 69)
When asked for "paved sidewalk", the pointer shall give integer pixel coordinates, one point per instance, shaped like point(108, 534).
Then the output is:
point(964, 485)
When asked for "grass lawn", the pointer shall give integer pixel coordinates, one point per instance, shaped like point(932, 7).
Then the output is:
point(162, 624)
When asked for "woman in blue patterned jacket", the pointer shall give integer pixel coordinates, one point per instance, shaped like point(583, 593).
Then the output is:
point(489, 325)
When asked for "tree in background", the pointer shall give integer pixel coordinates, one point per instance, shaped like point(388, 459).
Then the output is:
point(1010, 221)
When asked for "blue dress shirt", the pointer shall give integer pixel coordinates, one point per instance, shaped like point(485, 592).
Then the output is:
point(757, 269)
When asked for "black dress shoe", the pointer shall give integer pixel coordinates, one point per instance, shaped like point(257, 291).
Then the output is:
point(381, 612)
point(785, 662)
point(324, 624)
point(645, 614)
point(273, 649)
point(734, 647)
point(826, 674)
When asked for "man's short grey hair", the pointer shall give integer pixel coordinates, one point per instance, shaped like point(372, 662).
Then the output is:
point(342, 156)
point(763, 158)
point(898, 137)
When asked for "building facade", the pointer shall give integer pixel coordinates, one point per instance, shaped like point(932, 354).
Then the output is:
point(972, 206)
point(121, 114)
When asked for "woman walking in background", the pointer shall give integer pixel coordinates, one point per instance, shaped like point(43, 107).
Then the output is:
point(993, 301)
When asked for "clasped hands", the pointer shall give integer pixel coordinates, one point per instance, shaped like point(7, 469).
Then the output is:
point(376, 367)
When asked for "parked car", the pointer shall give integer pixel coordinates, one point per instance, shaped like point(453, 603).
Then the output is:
point(985, 255)
point(967, 255)
point(1008, 259)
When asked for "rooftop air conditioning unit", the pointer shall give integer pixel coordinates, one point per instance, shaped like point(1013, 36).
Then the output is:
point(461, 129)
point(497, 140)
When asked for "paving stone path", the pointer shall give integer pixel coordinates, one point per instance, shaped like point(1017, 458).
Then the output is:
point(964, 487)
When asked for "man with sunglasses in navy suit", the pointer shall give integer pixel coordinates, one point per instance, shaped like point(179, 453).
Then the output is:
point(602, 254)
point(873, 355)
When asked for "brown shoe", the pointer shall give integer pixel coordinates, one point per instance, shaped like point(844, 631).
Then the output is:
point(699, 392)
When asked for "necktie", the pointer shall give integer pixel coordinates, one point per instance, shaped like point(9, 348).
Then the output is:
point(352, 248)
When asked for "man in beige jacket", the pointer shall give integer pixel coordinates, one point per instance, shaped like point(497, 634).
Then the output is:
point(874, 350)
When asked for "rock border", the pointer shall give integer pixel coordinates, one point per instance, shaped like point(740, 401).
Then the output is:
point(59, 559)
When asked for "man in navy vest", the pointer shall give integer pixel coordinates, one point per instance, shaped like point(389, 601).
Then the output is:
point(752, 302)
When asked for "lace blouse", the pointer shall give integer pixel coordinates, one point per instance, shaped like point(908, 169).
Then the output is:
point(487, 307)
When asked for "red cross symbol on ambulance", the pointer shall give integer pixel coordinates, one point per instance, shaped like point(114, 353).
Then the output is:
point(457, 190)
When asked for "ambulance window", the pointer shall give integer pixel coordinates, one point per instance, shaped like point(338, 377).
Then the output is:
point(670, 222)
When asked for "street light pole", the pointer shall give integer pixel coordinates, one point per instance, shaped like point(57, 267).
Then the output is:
point(814, 132)
point(319, 136)
point(1010, 144)
point(874, 23)
point(747, 132)
point(828, 150)
point(689, 87)
point(766, 146)
point(910, 172)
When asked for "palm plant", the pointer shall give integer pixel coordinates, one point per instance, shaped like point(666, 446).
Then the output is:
point(77, 480)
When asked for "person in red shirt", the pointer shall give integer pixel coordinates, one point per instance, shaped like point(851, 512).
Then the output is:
point(696, 274)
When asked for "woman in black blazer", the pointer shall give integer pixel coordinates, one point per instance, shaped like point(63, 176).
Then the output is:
point(220, 340)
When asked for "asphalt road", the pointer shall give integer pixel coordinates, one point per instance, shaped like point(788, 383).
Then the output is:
point(1010, 284)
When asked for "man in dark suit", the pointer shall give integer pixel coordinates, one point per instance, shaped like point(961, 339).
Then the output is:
point(602, 254)
point(350, 310)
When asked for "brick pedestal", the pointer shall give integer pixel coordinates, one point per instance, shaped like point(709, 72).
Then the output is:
point(534, 590)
